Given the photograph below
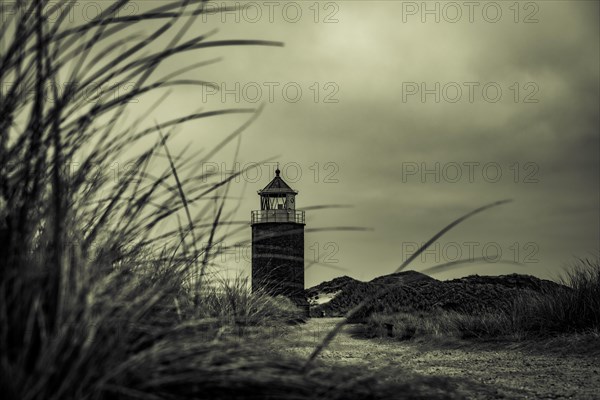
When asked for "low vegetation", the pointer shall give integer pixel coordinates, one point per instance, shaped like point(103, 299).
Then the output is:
point(570, 308)
point(396, 292)
point(231, 302)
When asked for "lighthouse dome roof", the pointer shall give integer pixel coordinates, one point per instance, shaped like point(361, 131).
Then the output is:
point(277, 187)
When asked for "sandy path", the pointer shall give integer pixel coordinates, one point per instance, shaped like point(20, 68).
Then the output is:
point(475, 372)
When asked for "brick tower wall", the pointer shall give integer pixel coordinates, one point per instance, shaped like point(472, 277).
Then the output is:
point(278, 260)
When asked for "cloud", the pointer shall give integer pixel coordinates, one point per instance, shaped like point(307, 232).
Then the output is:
point(375, 129)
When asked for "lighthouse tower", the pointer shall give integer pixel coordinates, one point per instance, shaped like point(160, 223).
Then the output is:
point(278, 243)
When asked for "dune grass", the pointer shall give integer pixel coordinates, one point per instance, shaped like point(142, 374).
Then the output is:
point(231, 301)
point(574, 309)
point(571, 309)
point(103, 291)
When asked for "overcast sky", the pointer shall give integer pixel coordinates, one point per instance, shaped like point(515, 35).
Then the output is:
point(413, 117)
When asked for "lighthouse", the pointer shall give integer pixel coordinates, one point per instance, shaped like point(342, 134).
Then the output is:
point(278, 243)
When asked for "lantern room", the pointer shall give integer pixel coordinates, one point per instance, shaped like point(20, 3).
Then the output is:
point(277, 203)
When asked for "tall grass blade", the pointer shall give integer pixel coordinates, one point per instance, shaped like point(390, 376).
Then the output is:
point(338, 327)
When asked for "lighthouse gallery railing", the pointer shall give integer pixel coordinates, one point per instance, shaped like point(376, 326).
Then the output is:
point(260, 216)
